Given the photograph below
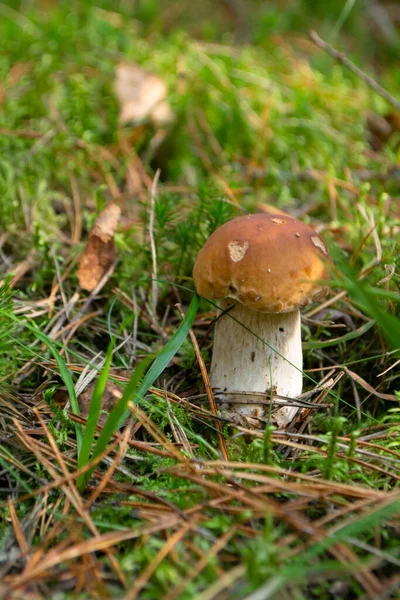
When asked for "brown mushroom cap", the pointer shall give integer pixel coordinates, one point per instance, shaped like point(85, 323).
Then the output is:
point(267, 262)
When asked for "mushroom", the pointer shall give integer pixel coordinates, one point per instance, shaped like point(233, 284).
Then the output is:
point(263, 268)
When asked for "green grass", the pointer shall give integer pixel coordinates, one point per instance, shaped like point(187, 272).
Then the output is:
point(261, 117)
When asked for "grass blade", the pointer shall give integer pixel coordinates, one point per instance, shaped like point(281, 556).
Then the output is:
point(94, 413)
point(64, 372)
point(168, 352)
point(367, 298)
point(9, 469)
point(136, 390)
point(112, 423)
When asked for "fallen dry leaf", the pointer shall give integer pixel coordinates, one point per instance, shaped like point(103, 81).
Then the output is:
point(112, 394)
point(99, 253)
point(17, 71)
point(337, 317)
point(369, 387)
point(382, 128)
point(141, 96)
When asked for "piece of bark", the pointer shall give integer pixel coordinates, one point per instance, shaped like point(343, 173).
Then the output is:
point(99, 253)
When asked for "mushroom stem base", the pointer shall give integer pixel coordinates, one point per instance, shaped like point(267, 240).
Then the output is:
point(246, 368)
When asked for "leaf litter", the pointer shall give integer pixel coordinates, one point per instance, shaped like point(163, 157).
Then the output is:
point(99, 254)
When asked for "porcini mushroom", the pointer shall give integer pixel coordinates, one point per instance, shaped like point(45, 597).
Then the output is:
point(262, 268)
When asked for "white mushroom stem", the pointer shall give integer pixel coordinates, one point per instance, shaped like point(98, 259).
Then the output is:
point(243, 364)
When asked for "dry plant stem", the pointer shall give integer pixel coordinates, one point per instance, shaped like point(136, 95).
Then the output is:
point(154, 283)
point(207, 385)
point(77, 224)
point(341, 57)
point(243, 363)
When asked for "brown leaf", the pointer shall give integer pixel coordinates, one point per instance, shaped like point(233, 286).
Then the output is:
point(369, 388)
point(335, 317)
point(141, 96)
point(111, 395)
point(17, 71)
point(382, 128)
point(99, 253)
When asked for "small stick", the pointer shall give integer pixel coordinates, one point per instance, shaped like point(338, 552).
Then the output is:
point(207, 385)
point(342, 58)
point(154, 283)
point(77, 225)
point(136, 312)
point(60, 283)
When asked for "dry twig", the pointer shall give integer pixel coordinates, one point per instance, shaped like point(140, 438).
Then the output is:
point(342, 58)
point(154, 282)
point(207, 385)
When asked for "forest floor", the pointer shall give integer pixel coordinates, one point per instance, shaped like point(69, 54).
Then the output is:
point(130, 485)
